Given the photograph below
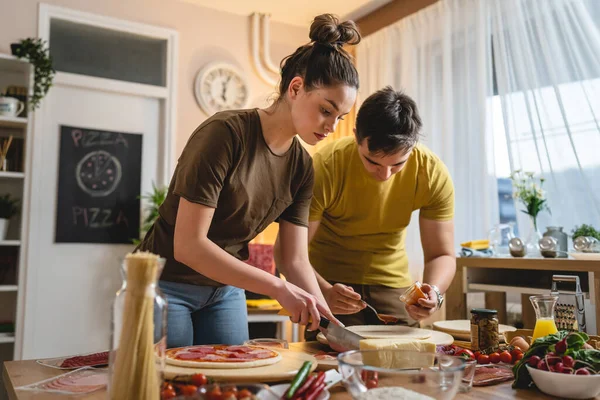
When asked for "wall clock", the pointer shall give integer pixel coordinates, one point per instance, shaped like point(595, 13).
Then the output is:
point(220, 86)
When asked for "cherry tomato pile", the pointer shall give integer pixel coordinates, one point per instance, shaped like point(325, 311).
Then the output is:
point(188, 386)
point(370, 378)
point(505, 356)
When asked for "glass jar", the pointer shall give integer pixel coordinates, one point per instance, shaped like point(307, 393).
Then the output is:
point(562, 240)
point(484, 329)
point(138, 330)
point(412, 294)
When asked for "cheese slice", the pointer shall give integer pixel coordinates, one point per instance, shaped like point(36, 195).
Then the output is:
point(398, 359)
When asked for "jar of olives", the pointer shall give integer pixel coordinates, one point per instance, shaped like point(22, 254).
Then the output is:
point(484, 329)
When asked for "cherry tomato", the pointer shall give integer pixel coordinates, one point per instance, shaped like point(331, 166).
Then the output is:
point(483, 359)
point(188, 390)
point(199, 379)
point(477, 354)
point(505, 357)
point(372, 383)
point(167, 394)
point(167, 386)
point(495, 358)
point(229, 395)
point(465, 353)
point(244, 393)
point(517, 357)
point(214, 394)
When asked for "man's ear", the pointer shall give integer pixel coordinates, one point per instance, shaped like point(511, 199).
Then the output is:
point(295, 87)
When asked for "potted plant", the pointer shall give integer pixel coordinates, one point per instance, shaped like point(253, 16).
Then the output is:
point(36, 52)
point(8, 208)
point(154, 199)
point(585, 230)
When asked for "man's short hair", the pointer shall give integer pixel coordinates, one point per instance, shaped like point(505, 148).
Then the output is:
point(390, 120)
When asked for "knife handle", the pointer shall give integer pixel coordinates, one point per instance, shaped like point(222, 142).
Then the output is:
point(323, 323)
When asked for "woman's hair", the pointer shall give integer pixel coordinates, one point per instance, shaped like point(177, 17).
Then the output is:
point(323, 61)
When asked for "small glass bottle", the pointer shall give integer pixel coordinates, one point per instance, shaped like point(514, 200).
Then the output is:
point(138, 330)
point(484, 329)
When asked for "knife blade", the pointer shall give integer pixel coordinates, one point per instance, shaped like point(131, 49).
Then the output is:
point(339, 336)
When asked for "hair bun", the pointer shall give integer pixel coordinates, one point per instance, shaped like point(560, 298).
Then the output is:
point(327, 29)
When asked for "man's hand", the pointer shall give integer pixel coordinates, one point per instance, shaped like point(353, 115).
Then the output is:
point(343, 299)
point(426, 307)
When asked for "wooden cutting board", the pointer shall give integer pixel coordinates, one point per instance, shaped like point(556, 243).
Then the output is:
point(396, 331)
point(286, 369)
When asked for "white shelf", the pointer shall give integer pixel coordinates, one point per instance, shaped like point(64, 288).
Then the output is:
point(8, 288)
point(11, 175)
point(10, 242)
point(13, 122)
point(4, 338)
point(10, 63)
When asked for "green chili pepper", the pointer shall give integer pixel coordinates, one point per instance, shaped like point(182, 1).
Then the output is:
point(299, 379)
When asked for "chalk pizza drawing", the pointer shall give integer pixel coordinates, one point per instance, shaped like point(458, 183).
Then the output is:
point(98, 173)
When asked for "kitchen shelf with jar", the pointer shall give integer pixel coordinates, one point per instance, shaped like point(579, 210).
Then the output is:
point(15, 74)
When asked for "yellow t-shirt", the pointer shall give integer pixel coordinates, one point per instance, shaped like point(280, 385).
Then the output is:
point(361, 236)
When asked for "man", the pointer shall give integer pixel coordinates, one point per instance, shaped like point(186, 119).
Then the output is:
point(366, 189)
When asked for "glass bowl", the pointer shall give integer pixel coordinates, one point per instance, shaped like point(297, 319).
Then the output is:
point(399, 374)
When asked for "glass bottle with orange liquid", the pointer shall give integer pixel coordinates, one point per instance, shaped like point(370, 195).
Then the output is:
point(544, 306)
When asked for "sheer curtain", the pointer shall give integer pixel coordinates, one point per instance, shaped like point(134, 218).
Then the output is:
point(547, 61)
point(440, 56)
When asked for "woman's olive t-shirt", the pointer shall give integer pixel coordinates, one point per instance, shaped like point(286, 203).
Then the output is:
point(226, 164)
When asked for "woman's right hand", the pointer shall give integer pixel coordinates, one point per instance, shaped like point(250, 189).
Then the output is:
point(302, 306)
point(343, 299)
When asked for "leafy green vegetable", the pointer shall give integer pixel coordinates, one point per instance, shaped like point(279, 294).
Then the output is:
point(543, 345)
point(586, 358)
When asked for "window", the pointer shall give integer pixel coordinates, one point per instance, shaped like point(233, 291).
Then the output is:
point(555, 133)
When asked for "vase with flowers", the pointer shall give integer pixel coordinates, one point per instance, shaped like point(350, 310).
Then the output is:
point(529, 192)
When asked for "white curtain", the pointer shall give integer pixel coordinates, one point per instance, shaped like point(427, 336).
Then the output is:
point(440, 56)
point(547, 62)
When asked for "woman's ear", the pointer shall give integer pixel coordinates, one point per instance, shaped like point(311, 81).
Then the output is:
point(295, 87)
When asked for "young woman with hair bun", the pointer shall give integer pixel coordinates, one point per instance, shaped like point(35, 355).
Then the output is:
point(240, 171)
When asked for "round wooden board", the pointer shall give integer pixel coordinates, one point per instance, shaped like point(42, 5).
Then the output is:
point(461, 328)
point(286, 369)
point(395, 331)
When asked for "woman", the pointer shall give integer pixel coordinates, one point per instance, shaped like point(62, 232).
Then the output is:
point(240, 171)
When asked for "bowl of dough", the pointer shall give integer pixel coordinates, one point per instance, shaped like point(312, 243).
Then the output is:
point(394, 374)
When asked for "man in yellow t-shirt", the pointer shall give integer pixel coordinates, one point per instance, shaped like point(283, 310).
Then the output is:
point(366, 188)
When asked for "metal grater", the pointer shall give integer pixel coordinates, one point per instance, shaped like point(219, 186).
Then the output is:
point(569, 314)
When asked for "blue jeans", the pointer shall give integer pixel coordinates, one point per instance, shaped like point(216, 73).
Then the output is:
point(204, 314)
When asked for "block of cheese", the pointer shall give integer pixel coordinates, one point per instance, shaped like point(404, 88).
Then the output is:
point(398, 353)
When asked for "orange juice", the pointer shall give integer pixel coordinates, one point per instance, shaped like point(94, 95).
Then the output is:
point(543, 327)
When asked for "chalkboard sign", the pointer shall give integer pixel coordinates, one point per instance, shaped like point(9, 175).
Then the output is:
point(99, 181)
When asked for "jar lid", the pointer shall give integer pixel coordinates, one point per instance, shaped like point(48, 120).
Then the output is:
point(483, 311)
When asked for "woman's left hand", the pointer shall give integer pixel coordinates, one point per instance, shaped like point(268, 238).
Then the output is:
point(425, 307)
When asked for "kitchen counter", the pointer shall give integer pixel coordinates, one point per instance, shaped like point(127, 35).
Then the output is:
point(19, 373)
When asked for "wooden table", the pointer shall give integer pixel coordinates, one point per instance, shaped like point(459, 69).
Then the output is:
point(527, 276)
point(18, 373)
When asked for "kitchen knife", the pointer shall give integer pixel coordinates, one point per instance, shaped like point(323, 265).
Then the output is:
point(340, 337)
